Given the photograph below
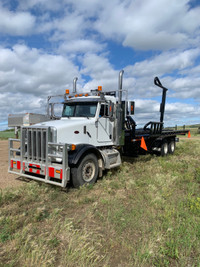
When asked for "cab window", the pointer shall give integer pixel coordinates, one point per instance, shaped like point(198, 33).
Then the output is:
point(79, 109)
point(104, 110)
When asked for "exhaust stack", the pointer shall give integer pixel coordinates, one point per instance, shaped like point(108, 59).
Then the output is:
point(120, 85)
point(74, 84)
point(120, 117)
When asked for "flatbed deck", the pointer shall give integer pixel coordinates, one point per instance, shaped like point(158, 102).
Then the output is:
point(152, 138)
point(145, 133)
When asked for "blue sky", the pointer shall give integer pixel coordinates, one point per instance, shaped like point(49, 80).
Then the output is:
point(44, 44)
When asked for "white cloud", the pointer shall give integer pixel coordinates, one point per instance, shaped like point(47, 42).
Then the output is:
point(28, 76)
point(81, 46)
point(29, 70)
point(16, 23)
point(166, 62)
point(100, 70)
point(70, 26)
point(98, 66)
point(161, 40)
point(185, 88)
point(87, 7)
point(14, 103)
point(145, 25)
point(51, 5)
point(102, 73)
point(138, 24)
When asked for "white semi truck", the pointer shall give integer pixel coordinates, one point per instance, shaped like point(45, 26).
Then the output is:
point(94, 130)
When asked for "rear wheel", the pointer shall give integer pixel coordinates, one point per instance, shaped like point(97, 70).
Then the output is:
point(86, 172)
point(171, 147)
point(164, 149)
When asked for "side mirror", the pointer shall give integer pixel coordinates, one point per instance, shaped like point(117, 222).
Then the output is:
point(131, 107)
point(111, 109)
point(56, 110)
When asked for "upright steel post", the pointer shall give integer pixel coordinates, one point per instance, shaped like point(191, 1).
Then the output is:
point(120, 119)
point(120, 85)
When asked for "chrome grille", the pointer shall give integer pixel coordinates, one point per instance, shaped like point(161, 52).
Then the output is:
point(35, 143)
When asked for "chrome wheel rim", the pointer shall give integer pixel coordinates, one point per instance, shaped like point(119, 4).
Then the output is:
point(88, 171)
point(172, 147)
point(165, 148)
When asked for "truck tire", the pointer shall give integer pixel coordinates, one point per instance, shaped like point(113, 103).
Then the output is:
point(86, 171)
point(171, 147)
point(164, 149)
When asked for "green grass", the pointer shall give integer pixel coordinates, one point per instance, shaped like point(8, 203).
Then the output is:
point(4, 135)
point(145, 213)
point(195, 131)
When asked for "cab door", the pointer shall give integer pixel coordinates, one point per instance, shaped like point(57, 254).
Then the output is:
point(104, 126)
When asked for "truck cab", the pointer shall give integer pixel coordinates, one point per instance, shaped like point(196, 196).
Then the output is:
point(78, 146)
point(86, 119)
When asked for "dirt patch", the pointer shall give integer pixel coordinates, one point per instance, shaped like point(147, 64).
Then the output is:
point(6, 179)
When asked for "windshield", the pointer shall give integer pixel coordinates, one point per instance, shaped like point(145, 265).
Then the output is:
point(79, 109)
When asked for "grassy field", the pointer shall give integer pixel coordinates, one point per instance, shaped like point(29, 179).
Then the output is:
point(146, 213)
point(7, 134)
point(194, 129)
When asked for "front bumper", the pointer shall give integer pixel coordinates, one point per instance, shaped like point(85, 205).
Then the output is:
point(46, 169)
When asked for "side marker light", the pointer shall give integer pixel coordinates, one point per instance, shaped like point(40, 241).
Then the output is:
point(73, 147)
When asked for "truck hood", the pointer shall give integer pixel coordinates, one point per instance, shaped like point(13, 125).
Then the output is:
point(66, 122)
point(70, 130)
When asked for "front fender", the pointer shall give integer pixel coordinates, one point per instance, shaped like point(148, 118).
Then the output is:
point(80, 151)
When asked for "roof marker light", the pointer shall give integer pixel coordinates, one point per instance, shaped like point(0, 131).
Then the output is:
point(99, 88)
point(67, 91)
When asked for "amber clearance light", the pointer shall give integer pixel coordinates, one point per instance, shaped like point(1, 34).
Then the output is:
point(73, 147)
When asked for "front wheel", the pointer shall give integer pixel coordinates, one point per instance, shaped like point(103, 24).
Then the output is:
point(86, 172)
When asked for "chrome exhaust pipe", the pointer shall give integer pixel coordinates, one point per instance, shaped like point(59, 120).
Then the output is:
point(120, 85)
point(74, 84)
